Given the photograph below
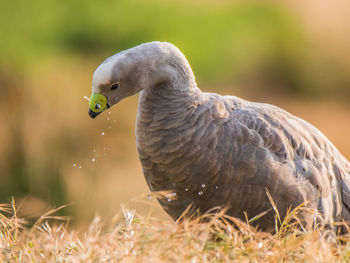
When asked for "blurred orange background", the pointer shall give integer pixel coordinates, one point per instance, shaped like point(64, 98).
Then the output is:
point(292, 54)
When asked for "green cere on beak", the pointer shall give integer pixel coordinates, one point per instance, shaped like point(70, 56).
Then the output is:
point(98, 103)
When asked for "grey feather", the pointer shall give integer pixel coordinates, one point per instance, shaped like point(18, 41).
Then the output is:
point(223, 151)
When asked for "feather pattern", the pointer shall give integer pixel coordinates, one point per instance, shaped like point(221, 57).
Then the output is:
point(223, 151)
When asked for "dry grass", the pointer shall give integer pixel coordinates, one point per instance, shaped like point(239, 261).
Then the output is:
point(129, 237)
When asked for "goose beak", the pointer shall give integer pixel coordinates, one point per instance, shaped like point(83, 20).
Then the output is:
point(93, 114)
point(98, 103)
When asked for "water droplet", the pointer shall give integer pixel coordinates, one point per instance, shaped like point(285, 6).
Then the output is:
point(79, 167)
point(74, 165)
point(86, 98)
point(200, 193)
point(107, 118)
point(174, 194)
point(109, 113)
point(203, 185)
point(93, 160)
point(102, 133)
point(186, 190)
point(149, 196)
point(169, 200)
point(216, 187)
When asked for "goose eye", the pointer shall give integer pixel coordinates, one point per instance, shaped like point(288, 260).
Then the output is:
point(97, 106)
point(114, 86)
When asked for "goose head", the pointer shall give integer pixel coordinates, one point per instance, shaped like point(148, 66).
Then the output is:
point(130, 71)
point(117, 77)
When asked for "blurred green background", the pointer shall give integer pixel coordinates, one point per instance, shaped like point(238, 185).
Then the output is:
point(289, 53)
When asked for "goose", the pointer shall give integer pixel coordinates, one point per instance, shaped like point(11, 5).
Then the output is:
point(214, 151)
